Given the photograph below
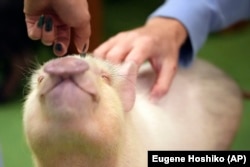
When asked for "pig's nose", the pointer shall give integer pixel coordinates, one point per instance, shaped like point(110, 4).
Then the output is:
point(66, 66)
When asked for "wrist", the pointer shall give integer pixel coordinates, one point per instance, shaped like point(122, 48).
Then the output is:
point(174, 26)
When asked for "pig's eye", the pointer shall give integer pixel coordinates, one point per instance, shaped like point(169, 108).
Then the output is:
point(106, 78)
point(40, 79)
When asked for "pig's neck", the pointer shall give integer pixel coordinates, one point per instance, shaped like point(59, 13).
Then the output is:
point(128, 152)
point(133, 152)
point(126, 156)
point(78, 161)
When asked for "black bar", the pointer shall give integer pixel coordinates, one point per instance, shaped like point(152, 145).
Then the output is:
point(198, 158)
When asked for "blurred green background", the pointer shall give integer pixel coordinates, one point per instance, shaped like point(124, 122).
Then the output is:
point(229, 51)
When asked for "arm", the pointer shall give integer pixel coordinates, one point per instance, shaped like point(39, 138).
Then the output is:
point(174, 32)
point(200, 17)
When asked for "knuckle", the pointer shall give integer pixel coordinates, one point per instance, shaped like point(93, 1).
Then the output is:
point(87, 18)
point(147, 40)
point(111, 55)
point(173, 66)
point(114, 57)
point(121, 35)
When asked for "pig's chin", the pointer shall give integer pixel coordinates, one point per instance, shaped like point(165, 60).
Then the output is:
point(66, 99)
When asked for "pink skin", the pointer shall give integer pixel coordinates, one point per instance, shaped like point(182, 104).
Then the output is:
point(158, 41)
point(70, 85)
point(65, 67)
point(72, 101)
point(77, 115)
point(68, 76)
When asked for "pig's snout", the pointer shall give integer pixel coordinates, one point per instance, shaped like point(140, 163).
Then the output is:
point(68, 86)
point(66, 66)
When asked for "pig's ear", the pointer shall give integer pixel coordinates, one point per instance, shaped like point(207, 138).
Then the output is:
point(127, 86)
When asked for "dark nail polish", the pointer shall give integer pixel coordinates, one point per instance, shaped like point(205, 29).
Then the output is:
point(83, 54)
point(40, 21)
point(58, 47)
point(48, 24)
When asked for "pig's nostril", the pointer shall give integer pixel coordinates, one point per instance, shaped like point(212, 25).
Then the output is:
point(66, 66)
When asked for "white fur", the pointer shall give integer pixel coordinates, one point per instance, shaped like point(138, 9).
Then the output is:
point(201, 111)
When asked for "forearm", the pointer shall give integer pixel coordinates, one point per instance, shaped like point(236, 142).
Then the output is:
point(200, 17)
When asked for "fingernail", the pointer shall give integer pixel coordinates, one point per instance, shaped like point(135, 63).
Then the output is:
point(83, 54)
point(48, 24)
point(58, 47)
point(84, 48)
point(40, 21)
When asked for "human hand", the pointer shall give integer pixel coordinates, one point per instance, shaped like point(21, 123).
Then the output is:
point(158, 41)
point(57, 22)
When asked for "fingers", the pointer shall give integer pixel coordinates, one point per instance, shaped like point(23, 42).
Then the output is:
point(80, 37)
point(41, 28)
point(124, 47)
point(48, 31)
point(118, 53)
point(141, 51)
point(75, 40)
point(34, 26)
point(114, 50)
point(62, 40)
point(138, 48)
point(165, 76)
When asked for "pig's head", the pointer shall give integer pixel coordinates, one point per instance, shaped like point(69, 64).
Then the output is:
point(76, 107)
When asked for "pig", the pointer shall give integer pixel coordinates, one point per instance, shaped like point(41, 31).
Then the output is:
point(85, 112)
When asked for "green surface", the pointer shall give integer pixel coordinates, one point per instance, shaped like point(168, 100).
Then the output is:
point(14, 150)
point(231, 52)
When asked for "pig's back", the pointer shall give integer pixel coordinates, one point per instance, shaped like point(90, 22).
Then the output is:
point(202, 110)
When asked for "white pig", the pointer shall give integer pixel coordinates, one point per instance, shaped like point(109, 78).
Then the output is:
point(86, 112)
